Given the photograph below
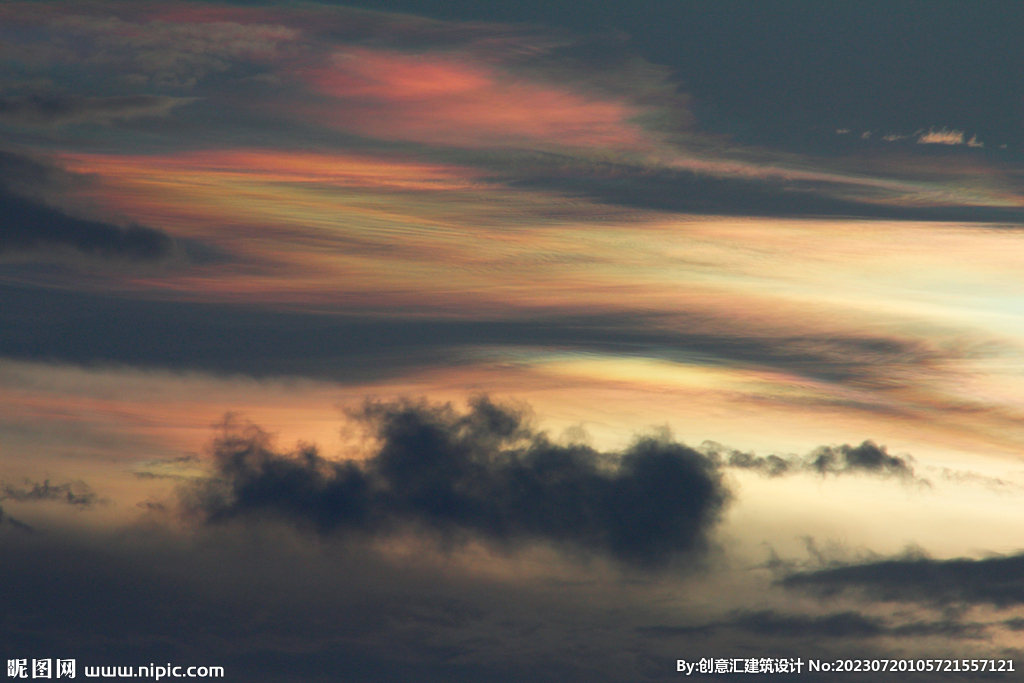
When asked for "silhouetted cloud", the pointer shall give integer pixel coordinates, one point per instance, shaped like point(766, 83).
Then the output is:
point(996, 580)
point(868, 458)
point(29, 223)
point(76, 493)
point(485, 473)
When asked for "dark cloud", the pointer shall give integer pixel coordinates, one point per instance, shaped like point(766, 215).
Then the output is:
point(270, 609)
point(63, 110)
point(867, 458)
point(76, 493)
point(482, 474)
point(997, 581)
point(261, 341)
point(705, 194)
point(28, 223)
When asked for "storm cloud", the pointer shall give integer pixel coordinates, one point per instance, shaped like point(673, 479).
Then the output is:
point(484, 474)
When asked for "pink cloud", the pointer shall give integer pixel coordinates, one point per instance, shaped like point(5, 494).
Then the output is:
point(447, 99)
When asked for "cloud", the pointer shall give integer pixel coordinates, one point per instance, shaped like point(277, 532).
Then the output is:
point(484, 474)
point(77, 493)
point(749, 190)
point(942, 137)
point(261, 341)
point(946, 136)
point(269, 608)
point(156, 53)
point(867, 458)
point(969, 477)
point(997, 580)
point(776, 625)
point(63, 110)
point(28, 223)
point(458, 100)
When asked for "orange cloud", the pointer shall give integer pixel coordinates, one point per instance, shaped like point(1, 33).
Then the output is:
point(341, 170)
point(446, 99)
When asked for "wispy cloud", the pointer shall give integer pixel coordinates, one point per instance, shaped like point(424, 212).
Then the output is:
point(941, 137)
point(77, 493)
point(152, 53)
point(62, 110)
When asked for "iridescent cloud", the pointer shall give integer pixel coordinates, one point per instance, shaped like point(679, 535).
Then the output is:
point(456, 100)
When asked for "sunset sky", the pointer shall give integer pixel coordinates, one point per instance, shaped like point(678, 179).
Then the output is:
point(472, 341)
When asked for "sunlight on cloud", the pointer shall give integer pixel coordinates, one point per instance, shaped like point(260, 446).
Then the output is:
point(452, 100)
point(942, 137)
point(562, 359)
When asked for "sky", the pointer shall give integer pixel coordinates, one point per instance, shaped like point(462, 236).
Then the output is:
point(473, 341)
